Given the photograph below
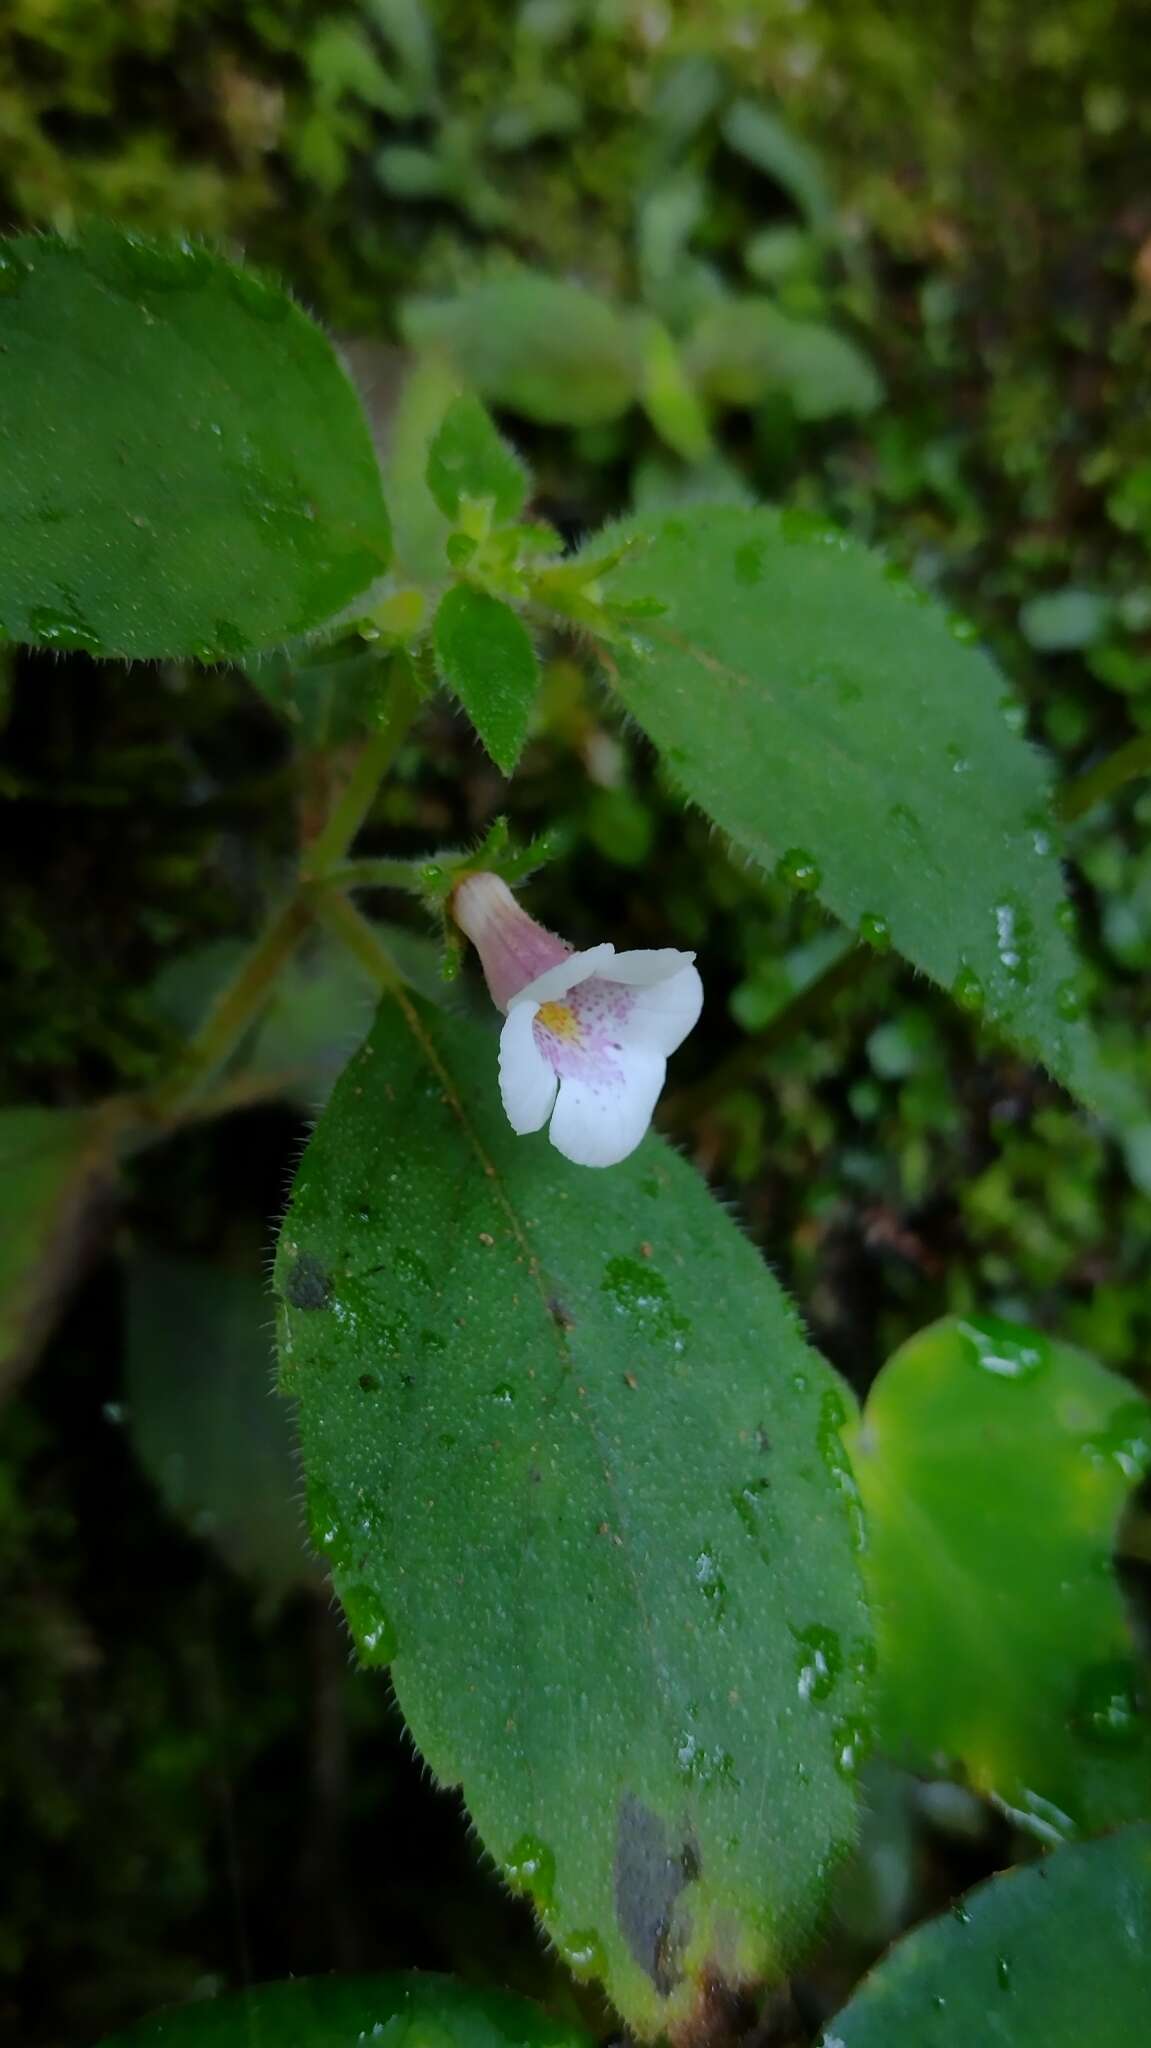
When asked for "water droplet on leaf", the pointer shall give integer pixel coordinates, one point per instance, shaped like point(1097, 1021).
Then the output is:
point(583, 1953)
point(968, 991)
point(370, 1625)
point(531, 1867)
point(1003, 1349)
point(874, 931)
point(1106, 1712)
point(799, 870)
point(820, 1661)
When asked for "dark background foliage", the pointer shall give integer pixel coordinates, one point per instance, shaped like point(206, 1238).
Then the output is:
point(197, 1789)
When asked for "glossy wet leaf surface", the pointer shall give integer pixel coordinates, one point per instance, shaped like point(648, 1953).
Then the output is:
point(580, 1482)
point(994, 1465)
point(218, 1447)
point(399, 2011)
point(485, 655)
point(837, 725)
point(187, 470)
point(56, 1169)
point(1055, 1955)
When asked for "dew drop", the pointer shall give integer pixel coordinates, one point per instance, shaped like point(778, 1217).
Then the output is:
point(1106, 1712)
point(750, 1504)
point(1003, 1349)
point(412, 1266)
point(1069, 1001)
point(327, 1528)
point(1014, 940)
point(1014, 713)
point(710, 1581)
point(504, 1395)
point(799, 870)
point(583, 1953)
point(968, 991)
point(1125, 1442)
point(641, 1294)
point(531, 1867)
point(1003, 1972)
point(874, 931)
point(851, 1741)
point(820, 1662)
point(13, 271)
point(370, 1625)
point(1066, 919)
point(67, 629)
point(962, 629)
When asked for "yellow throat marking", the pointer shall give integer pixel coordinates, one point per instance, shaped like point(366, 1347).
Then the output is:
point(560, 1020)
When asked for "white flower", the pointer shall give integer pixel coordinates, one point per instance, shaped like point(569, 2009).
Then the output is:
point(587, 1034)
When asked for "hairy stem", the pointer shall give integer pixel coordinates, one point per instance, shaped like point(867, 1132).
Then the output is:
point(331, 844)
point(352, 929)
point(234, 1008)
point(375, 874)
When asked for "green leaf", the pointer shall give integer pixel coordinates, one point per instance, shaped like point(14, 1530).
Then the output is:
point(543, 348)
point(1052, 1956)
point(994, 1465)
point(318, 1012)
point(832, 720)
point(412, 2011)
point(219, 1450)
point(421, 530)
point(745, 349)
point(580, 1482)
point(469, 459)
point(186, 467)
point(765, 141)
point(669, 400)
point(56, 1171)
point(485, 656)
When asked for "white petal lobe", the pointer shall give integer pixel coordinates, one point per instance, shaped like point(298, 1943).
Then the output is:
point(527, 1081)
point(599, 1123)
point(664, 1012)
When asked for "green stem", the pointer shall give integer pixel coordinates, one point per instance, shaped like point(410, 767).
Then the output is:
point(376, 874)
point(352, 929)
point(376, 757)
point(1124, 765)
point(234, 1009)
point(748, 1059)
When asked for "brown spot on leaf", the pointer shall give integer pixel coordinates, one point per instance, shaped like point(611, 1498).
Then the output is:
point(653, 1867)
point(308, 1284)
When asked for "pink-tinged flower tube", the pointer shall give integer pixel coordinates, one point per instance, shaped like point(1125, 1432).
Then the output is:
point(587, 1035)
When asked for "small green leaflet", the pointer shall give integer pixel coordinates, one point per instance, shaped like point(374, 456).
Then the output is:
point(485, 655)
point(186, 468)
point(994, 1465)
point(1052, 1956)
point(580, 1482)
point(469, 458)
point(828, 716)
